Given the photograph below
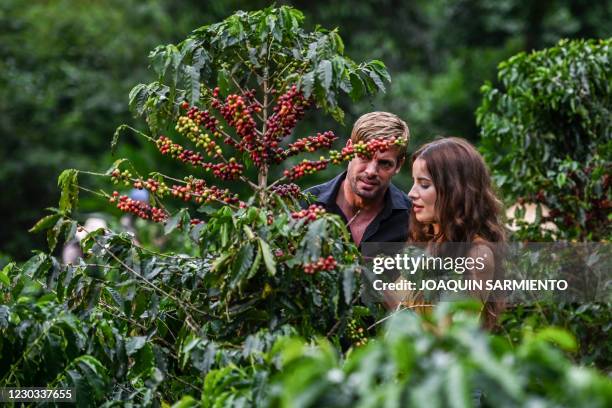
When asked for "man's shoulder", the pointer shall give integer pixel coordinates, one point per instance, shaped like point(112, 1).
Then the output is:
point(325, 192)
point(316, 190)
point(399, 199)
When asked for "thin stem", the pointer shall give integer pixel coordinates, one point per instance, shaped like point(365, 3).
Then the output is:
point(224, 133)
point(398, 310)
point(189, 320)
point(262, 178)
point(116, 312)
point(139, 133)
point(353, 218)
point(93, 173)
point(185, 182)
point(277, 181)
point(93, 192)
point(337, 324)
point(241, 89)
point(247, 65)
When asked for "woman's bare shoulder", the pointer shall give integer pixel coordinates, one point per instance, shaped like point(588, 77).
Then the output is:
point(482, 248)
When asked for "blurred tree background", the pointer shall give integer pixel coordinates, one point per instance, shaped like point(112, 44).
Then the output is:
point(66, 68)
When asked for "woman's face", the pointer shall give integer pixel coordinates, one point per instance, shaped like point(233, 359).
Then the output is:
point(423, 193)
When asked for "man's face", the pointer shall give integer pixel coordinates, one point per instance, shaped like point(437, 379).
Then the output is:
point(369, 178)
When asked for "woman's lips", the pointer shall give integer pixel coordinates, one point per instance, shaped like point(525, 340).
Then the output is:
point(417, 208)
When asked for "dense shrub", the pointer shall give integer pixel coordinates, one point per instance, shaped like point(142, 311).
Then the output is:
point(546, 134)
point(263, 312)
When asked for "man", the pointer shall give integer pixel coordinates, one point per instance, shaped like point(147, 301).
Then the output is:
point(374, 209)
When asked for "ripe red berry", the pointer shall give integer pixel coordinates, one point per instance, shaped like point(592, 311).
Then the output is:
point(322, 264)
point(312, 213)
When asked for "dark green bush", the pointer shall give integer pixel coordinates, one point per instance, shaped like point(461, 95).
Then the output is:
point(546, 133)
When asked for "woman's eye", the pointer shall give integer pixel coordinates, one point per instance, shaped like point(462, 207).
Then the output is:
point(425, 185)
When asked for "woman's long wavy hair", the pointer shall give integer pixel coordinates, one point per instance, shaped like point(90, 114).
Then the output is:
point(466, 207)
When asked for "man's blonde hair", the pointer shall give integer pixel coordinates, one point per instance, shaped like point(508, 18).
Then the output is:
point(382, 125)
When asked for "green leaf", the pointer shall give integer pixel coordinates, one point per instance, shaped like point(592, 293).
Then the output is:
point(348, 284)
point(561, 337)
point(138, 98)
point(4, 278)
point(37, 263)
point(115, 165)
point(175, 221)
point(313, 239)
point(268, 257)
point(115, 141)
point(70, 228)
point(241, 264)
point(193, 84)
point(307, 83)
point(224, 230)
point(88, 377)
point(54, 233)
point(45, 223)
point(68, 183)
point(377, 80)
point(221, 260)
point(256, 263)
point(144, 360)
point(357, 87)
point(456, 385)
point(134, 344)
point(325, 74)
point(186, 402)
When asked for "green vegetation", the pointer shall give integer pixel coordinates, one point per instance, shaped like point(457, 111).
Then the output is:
point(256, 303)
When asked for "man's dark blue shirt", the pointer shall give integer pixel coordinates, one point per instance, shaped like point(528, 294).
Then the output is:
point(390, 225)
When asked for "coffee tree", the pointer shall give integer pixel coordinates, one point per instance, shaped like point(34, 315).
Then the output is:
point(546, 133)
point(144, 326)
point(235, 91)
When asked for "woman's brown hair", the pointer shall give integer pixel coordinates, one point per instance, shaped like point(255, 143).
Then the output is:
point(466, 208)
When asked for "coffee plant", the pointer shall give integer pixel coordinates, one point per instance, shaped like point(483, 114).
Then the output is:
point(264, 310)
point(129, 323)
point(546, 134)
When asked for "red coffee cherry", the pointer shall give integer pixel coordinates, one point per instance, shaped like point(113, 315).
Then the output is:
point(306, 144)
point(138, 208)
point(306, 167)
point(289, 109)
point(312, 213)
point(287, 190)
point(230, 171)
point(323, 264)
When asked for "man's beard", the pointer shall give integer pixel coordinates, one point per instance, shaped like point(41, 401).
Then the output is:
point(366, 194)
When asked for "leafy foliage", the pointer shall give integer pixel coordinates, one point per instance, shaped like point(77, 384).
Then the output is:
point(268, 45)
point(546, 133)
point(429, 362)
point(128, 325)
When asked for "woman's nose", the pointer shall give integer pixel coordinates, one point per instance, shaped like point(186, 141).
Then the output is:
point(412, 194)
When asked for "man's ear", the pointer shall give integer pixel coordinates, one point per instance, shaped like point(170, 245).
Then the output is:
point(400, 164)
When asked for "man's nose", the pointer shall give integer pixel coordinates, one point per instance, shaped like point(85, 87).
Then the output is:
point(372, 168)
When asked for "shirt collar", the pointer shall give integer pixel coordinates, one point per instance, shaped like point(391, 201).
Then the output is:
point(394, 197)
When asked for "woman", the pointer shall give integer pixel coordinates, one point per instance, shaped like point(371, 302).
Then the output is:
point(455, 210)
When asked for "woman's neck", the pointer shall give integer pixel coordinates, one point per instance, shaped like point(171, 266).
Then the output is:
point(436, 229)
